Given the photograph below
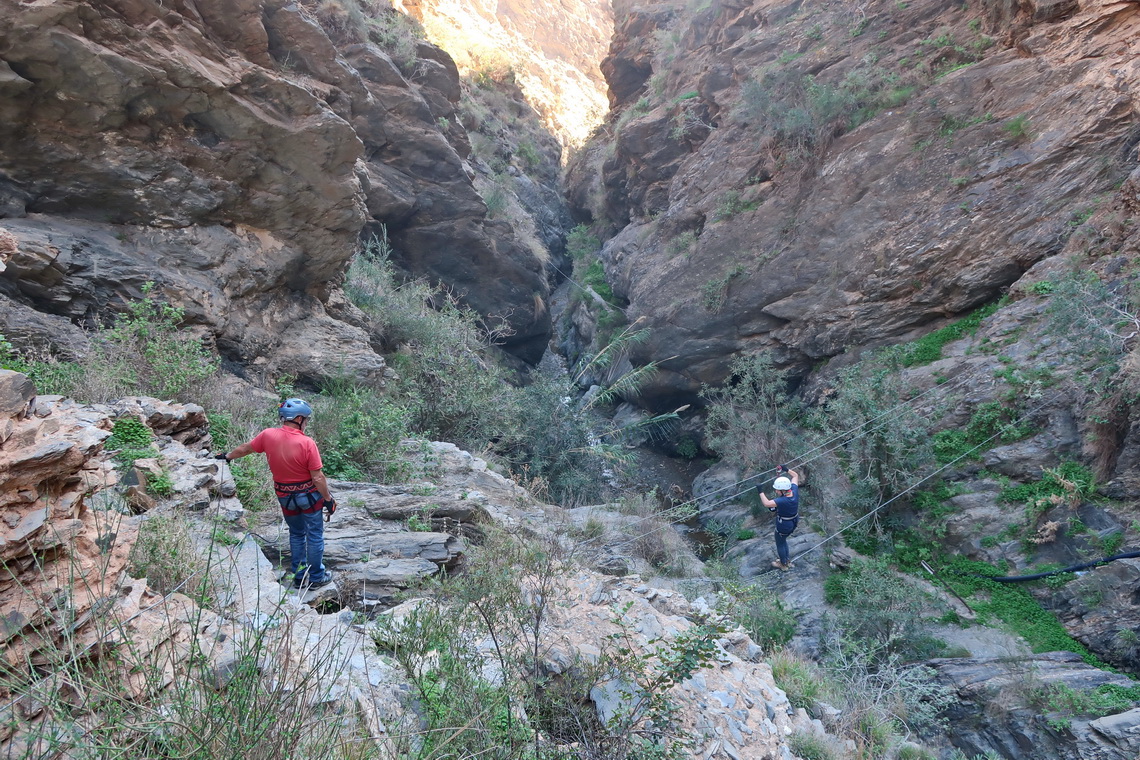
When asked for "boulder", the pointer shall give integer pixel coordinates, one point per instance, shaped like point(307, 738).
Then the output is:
point(1020, 731)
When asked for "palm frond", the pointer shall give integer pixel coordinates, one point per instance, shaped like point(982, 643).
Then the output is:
point(628, 385)
point(615, 348)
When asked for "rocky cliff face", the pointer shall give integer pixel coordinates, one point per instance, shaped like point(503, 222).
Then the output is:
point(804, 183)
point(234, 155)
point(554, 49)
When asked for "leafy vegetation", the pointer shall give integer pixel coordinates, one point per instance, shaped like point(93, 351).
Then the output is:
point(362, 433)
point(766, 618)
point(146, 351)
point(750, 417)
point(802, 112)
point(165, 555)
point(504, 598)
point(928, 348)
point(1057, 485)
point(893, 446)
point(1014, 606)
point(1018, 128)
point(882, 611)
point(992, 422)
point(131, 439)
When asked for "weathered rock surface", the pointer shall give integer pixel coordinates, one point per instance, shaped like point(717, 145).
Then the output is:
point(50, 463)
point(1020, 731)
point(236, 166)
point(732, 708)
point(730, 242)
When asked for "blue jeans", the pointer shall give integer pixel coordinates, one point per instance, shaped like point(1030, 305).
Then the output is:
point(782, 538)
point(307, 544)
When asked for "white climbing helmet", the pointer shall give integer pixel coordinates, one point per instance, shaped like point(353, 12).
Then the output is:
point(782, 484)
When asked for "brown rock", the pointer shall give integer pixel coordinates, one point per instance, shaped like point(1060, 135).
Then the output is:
point(16, 394)
point(860, 239)
point(238, 175)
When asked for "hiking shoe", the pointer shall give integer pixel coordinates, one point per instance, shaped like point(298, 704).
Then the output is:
point(781, 566)
point(323, 581)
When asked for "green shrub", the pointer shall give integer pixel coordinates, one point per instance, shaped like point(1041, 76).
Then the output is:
point(232, 427)
point(359, 433)
point(1069, 480)
point(145, 352)
point(581, 244)
point(802, 112)
point(164, 554)
point(810, 746)
point(730, 204)
point(879, 607)
point(504, 596)
point(594, 277)
point(911, 752)
point(992, 422)
point(161, 485)
point(802, 681)
point(892, 449)
point(750, 418)
point(762, 613)
point(1018, 128)
point(131, 439)
point(1107, 699)
point(929, 348)
point(683, 243)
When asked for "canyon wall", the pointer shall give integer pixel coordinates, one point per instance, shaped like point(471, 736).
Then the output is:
point(804, 179)
point(234, 155)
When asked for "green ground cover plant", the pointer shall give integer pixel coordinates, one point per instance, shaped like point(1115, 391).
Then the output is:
point(1014, 607)
point(928, 348)
point(992, 422)
point(1067, 481)
point(131, 439)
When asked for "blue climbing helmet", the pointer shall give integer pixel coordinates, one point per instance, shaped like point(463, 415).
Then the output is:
point(292, 408)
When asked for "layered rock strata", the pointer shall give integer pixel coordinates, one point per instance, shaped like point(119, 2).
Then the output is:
point(1021, 731)
point(752, 215)
point(236, 164)
point(51, 474)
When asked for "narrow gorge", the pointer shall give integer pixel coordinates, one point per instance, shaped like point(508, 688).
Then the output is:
point(564, 283)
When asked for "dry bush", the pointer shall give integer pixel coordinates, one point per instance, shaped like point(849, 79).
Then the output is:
point(1047, 533)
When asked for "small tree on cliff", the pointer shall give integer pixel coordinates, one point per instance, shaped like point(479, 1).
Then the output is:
point(886, 445)
point(752, 419)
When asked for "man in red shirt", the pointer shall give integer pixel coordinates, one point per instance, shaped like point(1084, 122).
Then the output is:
point(300, 486)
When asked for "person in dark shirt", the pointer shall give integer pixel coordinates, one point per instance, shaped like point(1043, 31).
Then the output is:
point(786, 507)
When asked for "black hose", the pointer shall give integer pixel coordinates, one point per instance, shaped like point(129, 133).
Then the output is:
point(1070, 569)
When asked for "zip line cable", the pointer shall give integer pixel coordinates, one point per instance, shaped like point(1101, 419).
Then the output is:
point(915, 485)
point(884, 504)
point(680, 511)
point(736, 495)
